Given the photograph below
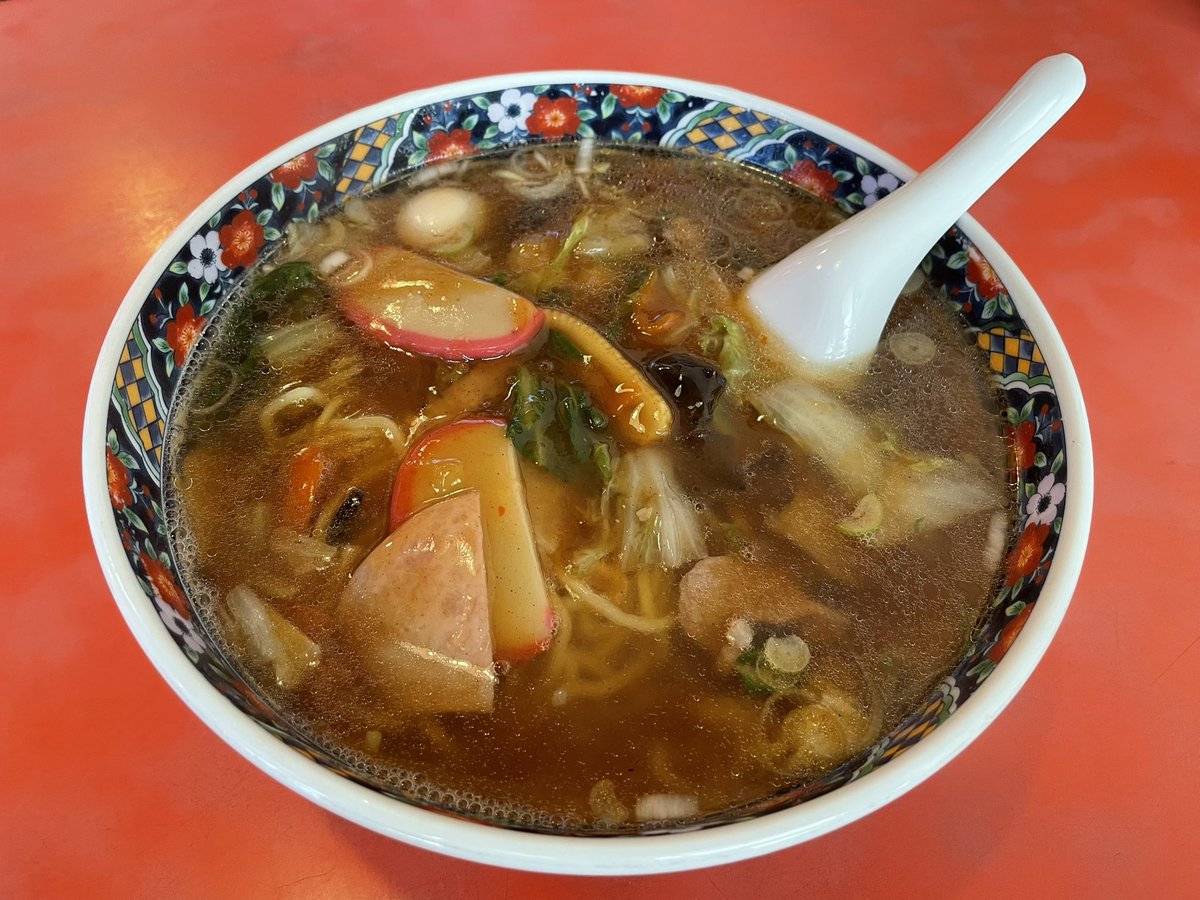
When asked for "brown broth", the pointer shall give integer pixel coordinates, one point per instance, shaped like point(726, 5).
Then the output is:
point(671, 719)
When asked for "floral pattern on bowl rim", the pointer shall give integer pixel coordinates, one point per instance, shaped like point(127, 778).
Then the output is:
point(208, 267)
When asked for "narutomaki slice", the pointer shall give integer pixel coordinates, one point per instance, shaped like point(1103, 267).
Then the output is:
point(412, 303)
point(417, 611)
point(476, 455)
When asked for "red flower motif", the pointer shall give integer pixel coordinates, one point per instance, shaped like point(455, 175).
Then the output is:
point(1023, 449)
point(119, 494)
point(1009, 634)
point(808, 175)
point(554, 118)
point(632, 95)
point(183, 331)
point(450, 144)
point(1027, 555)
point(166, 588)
point(241, 239)
point(982, 275)
point(295, 171)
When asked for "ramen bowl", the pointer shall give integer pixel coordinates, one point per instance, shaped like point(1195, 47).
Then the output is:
point(183, 287)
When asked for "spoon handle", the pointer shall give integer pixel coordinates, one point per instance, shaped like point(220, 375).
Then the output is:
point(849, 278)
point(935, 199)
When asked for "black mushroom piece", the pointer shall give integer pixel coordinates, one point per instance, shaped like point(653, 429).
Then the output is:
point(693, 385)
point(342, 523)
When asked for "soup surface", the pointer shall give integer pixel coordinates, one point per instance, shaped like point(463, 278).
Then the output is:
point(633, 567)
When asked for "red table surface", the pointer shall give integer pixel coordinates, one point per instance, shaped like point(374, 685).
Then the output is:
point(116, 119)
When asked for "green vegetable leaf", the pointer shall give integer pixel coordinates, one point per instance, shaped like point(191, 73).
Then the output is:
point(532, 418)
point(555, 425)
point(558, 345)
point(277, 284)
point(602, 457)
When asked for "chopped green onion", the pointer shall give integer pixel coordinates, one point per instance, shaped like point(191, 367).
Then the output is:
point(788, 654)
point(912, 348)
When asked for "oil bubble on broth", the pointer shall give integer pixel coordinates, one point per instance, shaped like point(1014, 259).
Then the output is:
point(490, 486)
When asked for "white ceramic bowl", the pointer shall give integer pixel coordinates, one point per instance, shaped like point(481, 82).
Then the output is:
point(138, 362)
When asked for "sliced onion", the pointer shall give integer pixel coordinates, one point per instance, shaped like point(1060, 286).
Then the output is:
point(665, 807)
point(354, 268)
point(333, 261)
point(358, 212)
point(295, 343)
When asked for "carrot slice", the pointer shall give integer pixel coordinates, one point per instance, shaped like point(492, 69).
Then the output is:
point(300, 492)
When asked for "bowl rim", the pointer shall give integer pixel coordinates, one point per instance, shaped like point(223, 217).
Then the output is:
point(599, 855)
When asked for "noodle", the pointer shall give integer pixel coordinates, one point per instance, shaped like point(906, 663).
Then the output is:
point(296, 396)
point(234, 381)
point(612, 612)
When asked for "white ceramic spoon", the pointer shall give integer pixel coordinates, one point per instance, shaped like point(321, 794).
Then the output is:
point(830, 299)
